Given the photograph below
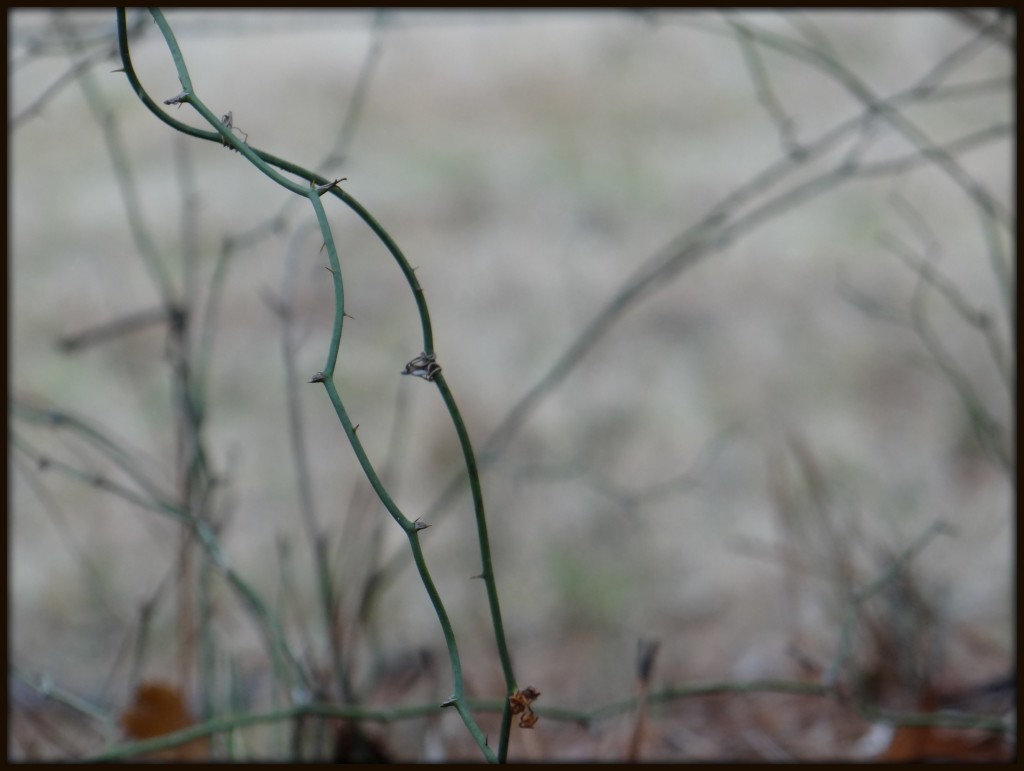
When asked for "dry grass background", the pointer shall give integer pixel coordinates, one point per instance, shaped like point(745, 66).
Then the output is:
point(527, 164)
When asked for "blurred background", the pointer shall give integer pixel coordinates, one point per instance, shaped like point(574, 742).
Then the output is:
point(725, 442)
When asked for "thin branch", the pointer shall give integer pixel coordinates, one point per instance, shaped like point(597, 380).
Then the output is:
point(583, 717)
point(853, 607)
point(285, 310)
point(784, 125)
point(111, 330)
point(987, 210)
point(721, 224)
point(926, 269)
point(990, 434)
point(1000, 29)
point(125, 459)
point(122, 169)
point(269, 626)
point(264, 163)
point(45, 687)
point(92, 574)
point(83, 63)
point(338, 154)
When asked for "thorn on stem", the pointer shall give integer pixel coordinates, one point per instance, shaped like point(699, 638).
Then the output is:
point(449, 702)
point(321, 189)
point(319, 377)
point(418, 525)
point(178, 100)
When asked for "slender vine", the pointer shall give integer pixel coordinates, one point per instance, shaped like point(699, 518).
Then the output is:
point(313, 187)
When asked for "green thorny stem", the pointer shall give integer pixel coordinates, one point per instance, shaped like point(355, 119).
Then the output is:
point(316, 187)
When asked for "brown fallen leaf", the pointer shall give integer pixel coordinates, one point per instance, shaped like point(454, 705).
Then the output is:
point(159, 709)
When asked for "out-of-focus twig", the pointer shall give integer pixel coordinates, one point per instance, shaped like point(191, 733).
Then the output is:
point(831, 675)
point(728, 220)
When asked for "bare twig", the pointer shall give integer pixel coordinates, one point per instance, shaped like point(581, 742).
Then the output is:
point(724, 223)
point(784, 125)
point(853, 608)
